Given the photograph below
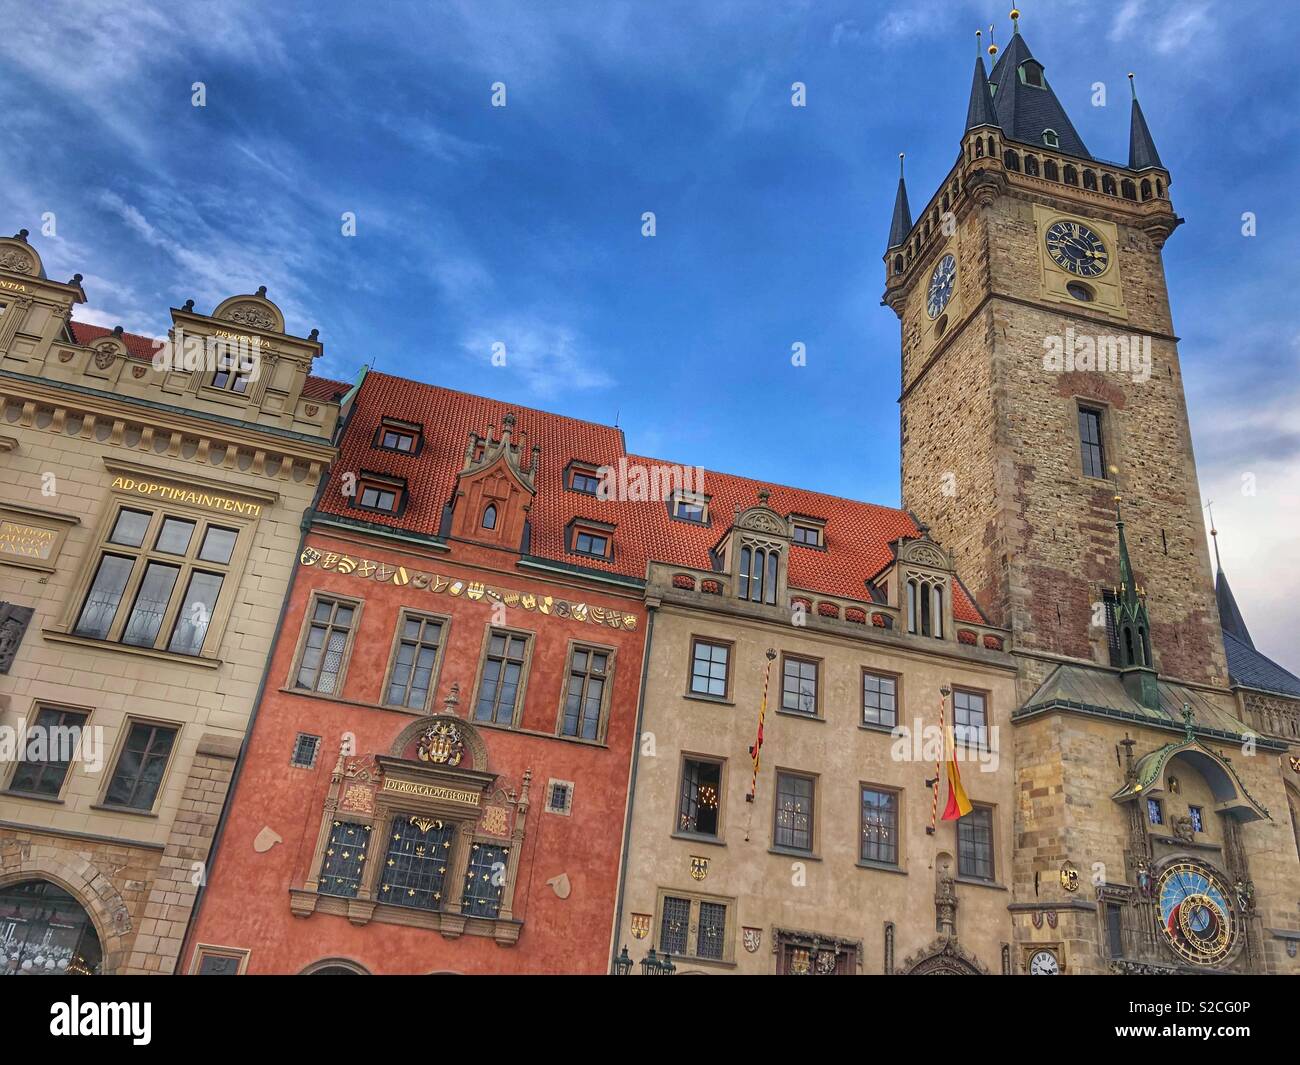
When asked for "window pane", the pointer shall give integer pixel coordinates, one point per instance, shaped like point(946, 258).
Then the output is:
point(419, 852)
point(150, 604)
point(975, 844)
point(700, 797)
point(218, 545)
point(675, 925)
point(130, 527)
point(484, 880)
point(799, 691)
point(61, 730)
point(713, 927)
point(104, 597)
point(794, 812)
point(709, 669)
point(879, 700)
point(344, 859)
point(140, 766)
point(879, 826)
point(195, 615)
point(174, 536)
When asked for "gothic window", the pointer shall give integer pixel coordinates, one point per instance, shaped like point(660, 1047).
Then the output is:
point(1160, 188)
point(992, 147)
point(898, 264)
point(756, 578)
point(1051, 138)
point(975, 844)
point(1070, 175)
point(1090, 180)
point(1114, 930)
point(501, 679)
point(879, 826)
point(1128, 190)
point(793, 827)
point(1146, 189)
point(1011, 159)
point(709, 668)
point(141, 764)
point(1197, 816)
point(879, 699)
point(979, 147)
point(1031, 165)
point(700, 797)
point(344, 859)
point(799, 685)
point(490, 516)
point(325, 649)
point(45, 775)
point(1108, 184)
point(1110, 602)
point(925, 607)
point(1092, 447)
point(415, 867)
point(415, 659)
point(484, 879)
point(584, 698)
point(970, 719)
point(1050, 170)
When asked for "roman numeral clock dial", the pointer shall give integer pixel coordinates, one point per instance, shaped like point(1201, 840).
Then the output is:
point(941, 285)
point(1076, 248)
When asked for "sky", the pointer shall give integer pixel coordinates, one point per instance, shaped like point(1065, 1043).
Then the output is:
point(523, 224)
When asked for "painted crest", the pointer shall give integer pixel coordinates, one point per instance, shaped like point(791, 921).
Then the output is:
point(752, 938)
point(1051, 918)
point(699, 867)
point(1069, 877)
point(441, 744)
point(640, 925)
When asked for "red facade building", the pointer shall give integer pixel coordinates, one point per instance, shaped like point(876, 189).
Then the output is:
point(436, 778)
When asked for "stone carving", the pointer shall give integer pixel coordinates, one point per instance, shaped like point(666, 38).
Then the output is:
point(121, 920)
point(441, 744)
point(944, 957)
point(560, 885)
point(17, 260)
point(1183, 828)
point(251, 314)
point(266, 839)
point(104, 356)
point(13, 625)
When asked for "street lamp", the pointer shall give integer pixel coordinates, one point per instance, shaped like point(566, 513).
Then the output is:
point(623, 963)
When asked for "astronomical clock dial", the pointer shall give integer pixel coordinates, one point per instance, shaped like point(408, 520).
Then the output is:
point(1076, 248)
point(1196, 916)
point(1044, 963)
point(942, 282)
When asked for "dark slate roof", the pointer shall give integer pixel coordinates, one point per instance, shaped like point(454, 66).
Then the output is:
point(1141, 148)
point(901, 225)
point(1229, 613)
point(1024, 111)
point(1247, 668)
point(980, 111)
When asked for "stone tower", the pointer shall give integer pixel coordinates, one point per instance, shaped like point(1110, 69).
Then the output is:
point(1040, 378)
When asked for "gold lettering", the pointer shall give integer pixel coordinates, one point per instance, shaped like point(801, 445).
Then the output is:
point(432, 791)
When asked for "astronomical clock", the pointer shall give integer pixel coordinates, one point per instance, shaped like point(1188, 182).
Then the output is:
point(1197, 915)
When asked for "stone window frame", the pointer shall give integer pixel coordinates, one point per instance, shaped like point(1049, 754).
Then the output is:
point(567, 809)
point(606, 696)
point(882, 674)
point(315, 754)
point(232, 573)
point(919, 583)
point(900, 836)
point(728, 958)
point(1109, 442)
point(7, 775)
point(970, 878)
point(317, 594)
point(448, 920)
point(818, 664)
point(784, 940)
point(814, 818)
point(987, 697)
point(205, 950)
point(317, 967)
point(714, 641)
point(675, 829)
point(525, 672)
point(403, 615)
point(129, 721)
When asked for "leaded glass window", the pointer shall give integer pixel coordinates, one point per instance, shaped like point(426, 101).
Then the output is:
point(327, 640)
point(713, 930)
point(484, 880)
point(794, 812)
point(345, 858)
point(675, 925)
point(415, 868)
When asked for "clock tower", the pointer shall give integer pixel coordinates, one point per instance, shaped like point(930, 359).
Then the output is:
point(1040, 378)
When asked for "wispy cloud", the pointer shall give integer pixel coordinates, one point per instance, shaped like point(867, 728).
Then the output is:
point(547, 356)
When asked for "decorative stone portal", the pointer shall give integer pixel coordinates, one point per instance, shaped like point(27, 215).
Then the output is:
point(943, 957)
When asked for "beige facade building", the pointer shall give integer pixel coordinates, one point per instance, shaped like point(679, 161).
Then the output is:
point(149, 526)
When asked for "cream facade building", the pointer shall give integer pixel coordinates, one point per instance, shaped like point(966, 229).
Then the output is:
point(149, 527)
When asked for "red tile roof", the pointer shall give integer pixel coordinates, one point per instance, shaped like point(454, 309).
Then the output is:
point(857, 535)
point(142, 347)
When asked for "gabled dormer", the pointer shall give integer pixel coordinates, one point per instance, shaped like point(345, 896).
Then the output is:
point(754, 551)
point(495, 488)
point(919, 583)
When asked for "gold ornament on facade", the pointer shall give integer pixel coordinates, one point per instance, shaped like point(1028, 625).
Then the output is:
point(441, 744)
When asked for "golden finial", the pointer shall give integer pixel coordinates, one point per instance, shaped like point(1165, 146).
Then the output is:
point(1015, 24)
point(993, 45)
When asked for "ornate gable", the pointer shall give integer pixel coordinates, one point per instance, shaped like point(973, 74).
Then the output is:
point(495, 488)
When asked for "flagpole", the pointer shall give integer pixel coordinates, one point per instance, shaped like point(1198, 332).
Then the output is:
point(938, 762)
point(755, 751)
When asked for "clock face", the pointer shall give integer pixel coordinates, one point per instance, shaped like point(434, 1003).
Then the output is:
point(941, 285)
point(1044, 964)
point(1196, 914)
point(1076, 248)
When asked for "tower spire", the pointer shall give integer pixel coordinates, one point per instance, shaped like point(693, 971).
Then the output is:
point(1142, 154)
point(1229, 613)
point(980, 112)
point(900, 227)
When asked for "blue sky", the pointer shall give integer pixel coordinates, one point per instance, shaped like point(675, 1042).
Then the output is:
point(522, 224)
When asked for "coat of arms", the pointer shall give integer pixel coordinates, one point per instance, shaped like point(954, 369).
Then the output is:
point(441, 744)
point(1069, 877)
point(752, 939)
point(699, 867)
point(640, 925)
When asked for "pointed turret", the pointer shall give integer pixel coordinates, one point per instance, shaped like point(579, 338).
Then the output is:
point(1026, 107)
point(1133, 628)
point(1229, 613)
point(980, 112)
point(1142, 154)
point(900, 228)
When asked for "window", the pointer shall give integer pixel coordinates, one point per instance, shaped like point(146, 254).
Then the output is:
point(879, 699)
point(1114, 930)
point(490, 516)
point(700, 798)
point(1031, 74)
point(584, 480)
point(59, 731)
point(382, 496)
point(799, 687)
point(879, 826)
point(1051, 138)
point(1197, 818)
point(502, 677)
point(234, 370)
point(344, 860)
point(214, 961)
point(801, 954)
point(1155, 813)
point(925, 607)
point(415, 868)
point(756, 578)
point(1080, 291)
point(415, 660)
point(793, 829)
point(559, 797)
point(697, 926)
point(148, 589)
point(404, 437)
point(324, 654)
point(970, 719)
point(585, 697)
point(709, 668)
point(1090, 442)
point(484, 879)
point(590, 543)
point(975, 844)
point(305, 749)
point(809, 535)
point(688, 507)
point(140, 766)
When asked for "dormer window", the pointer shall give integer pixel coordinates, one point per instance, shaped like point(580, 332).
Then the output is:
point(384, 495)
point(756, 576)
point(808, 534)
point(1031, 73)
point(686, 506)
point(925, 607)
point(1051, 138)
point(584, 479)
point(403, 437)
point(490, 516)
point(592, 539)
point(232, 373)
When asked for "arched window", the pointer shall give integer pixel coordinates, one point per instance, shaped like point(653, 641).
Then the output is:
point(898, 264)
point(1031, 165)
point(772, 561)
point(1160, 188)
point(1090, 180)
point(1108, 184)
point(1128, 190)
point(925, 607)
point(490, 516)
point(1011, 160)
point(1146, 189)
point(936, 611)
point(1050, 170)
point(756, 576)
point(1051, 138)
point(742, 574)
point(992, 148)
point(979, 147)
point(911, 606)
point(45, 931)
point(1070, 175)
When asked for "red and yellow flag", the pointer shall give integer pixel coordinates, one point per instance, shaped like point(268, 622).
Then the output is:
point(958, 803)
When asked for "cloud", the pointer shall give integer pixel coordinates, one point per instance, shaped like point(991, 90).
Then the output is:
point(550, 358)
point(1169, 29)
